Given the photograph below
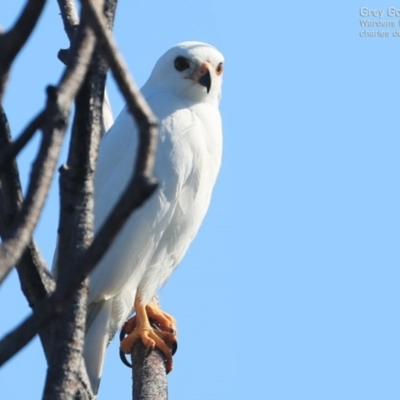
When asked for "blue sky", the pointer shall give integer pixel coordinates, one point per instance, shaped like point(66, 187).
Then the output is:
point(290, 291)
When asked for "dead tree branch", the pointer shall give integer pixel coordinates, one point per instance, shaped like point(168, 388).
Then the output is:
point(43, 168)
point(149, 378)
point(36, 281)
point(148, 373)
point(76, 226)
point(12, 150)
point(57, 113)
point(78, 255)
point(69, 16)
point(140, 187)
point(137, 105)
point(59, 104)
point(12, 41)
point(9, 209)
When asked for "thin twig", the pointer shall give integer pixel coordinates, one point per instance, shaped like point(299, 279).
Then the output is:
point(11, 151)
point(12, 41)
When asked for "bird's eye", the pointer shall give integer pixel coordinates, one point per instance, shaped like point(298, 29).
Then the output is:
point(219, 69)
point(181, 63)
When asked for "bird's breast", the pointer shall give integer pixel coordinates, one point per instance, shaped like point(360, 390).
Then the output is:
point(156, 237)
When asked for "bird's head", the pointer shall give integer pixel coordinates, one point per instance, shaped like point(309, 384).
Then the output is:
point(191, 70)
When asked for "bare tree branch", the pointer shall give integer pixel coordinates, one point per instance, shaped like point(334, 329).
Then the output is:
point(66, 377)
point(43, 168)
point(149, 377)
point(9, 178)
point(69, 16)
point(78, 194)
point(14, 341)
point(57, 113)
point(59, 104)
point(138, 190)
point(140, 187)
point(76, 226)
point(63, 379)
point(11, 202)
point(137, 105)
point(55, 304)
point(36, 281)
point(148, 373)
point(11, 151)
point(12, 41)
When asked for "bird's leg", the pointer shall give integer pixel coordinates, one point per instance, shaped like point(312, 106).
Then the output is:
point(149, 336)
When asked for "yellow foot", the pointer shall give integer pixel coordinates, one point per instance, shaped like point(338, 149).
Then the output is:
point(163, 320)
point(163, 336)
point(156, 316)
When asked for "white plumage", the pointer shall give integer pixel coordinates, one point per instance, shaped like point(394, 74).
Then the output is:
point(156, 237)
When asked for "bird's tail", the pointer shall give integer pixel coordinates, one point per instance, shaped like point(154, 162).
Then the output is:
point(96, 340)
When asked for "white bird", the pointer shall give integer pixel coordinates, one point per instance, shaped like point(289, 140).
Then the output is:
point(184, 91)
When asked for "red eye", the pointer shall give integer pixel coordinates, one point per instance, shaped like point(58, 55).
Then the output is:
point(219, 69)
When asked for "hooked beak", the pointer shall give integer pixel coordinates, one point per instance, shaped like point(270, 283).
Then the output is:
point(203, 76)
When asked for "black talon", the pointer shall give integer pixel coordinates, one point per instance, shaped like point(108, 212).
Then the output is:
point(122, 355)
point(174, 347)
point(122, 335)
point(124, 360)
